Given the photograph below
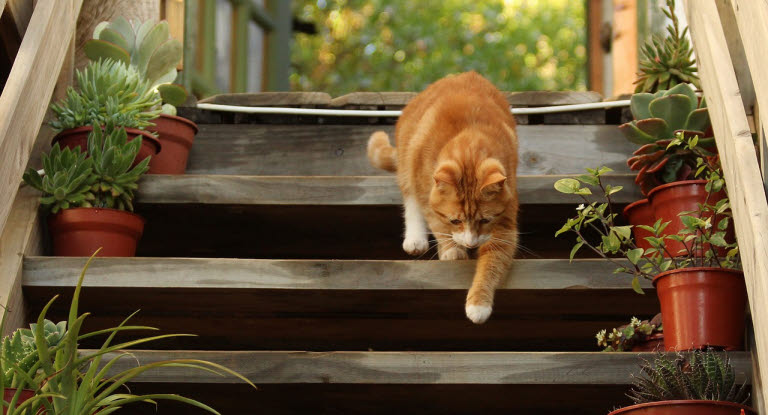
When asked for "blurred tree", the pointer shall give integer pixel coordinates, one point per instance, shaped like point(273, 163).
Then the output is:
point(403, 45)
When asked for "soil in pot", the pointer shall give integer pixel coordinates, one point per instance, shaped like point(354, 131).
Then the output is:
point(640, 213)
point(8, 394)
point(702, 307)
point(685, 408)
point(78, 137)
point(176, 136)
point(81, 231)
point(671, 199)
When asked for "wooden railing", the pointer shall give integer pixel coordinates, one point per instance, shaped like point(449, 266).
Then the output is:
point(715, 26)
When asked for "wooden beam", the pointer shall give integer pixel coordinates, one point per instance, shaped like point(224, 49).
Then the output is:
point(238, 65)
point(528, 274)
point(20, 12)
point(624, 49)
point(329, 190)
point(279, 46)
point(25, 98)
point(173, 12)
point(594, 45)
point(737, 152)
point(508, 368)
point(753, 34)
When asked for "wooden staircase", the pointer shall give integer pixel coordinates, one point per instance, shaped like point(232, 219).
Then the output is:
point(282, 251)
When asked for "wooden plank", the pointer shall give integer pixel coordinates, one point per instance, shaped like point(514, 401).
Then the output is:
point(737, 53)
point(737, 150)
point(173, 12)
point(239, 42)
point(330, 190)
point(547, 98)
point(308, 150)
point(624, 48)
point(278, 56)
point(529, 274)
point(753, 31)
point(24, 99)
point(388, 100)
point(271, 99)
point(594, 45)
point(486, 368)
point(20, 12)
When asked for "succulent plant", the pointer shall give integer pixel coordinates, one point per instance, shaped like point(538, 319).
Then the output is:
point(667, 61)
point(148, 48)
point(659, 119)
point(698, 375)
point(108, 91)
point(67, 181)
point(623, 338)
point(19, 350)
point(113, 155)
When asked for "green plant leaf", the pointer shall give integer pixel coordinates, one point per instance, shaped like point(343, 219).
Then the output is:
point(636, 285)
point(568, 186)
point(639, 105)
point(575, 249)
point(634, 255)
point(674, 109)
point(164, 58)
point(96, 49)
point(173, 94)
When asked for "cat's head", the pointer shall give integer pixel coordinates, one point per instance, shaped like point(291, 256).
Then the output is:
point(470, 199)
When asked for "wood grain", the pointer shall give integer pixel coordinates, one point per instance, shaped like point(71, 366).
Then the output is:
point(330, 190)
point(529, 274)
point(29, 87)
point(485, 368)
point(736, 148)
point(547, 98)
point(20, 12)
point(271, 99)
point(624, 49)
point(386, 100)
point(309, 150)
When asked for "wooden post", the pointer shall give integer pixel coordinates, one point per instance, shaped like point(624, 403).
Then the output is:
point(239, 64)
point(96, 11)
point(173, 12)
point(278, 46)
point(595, 25)
point(624, 49)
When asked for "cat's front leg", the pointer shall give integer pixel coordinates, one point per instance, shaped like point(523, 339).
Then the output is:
point(494, 260)
point(415, 241)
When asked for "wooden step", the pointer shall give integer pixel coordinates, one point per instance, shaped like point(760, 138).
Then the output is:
point(331, 190)
point(343, 305)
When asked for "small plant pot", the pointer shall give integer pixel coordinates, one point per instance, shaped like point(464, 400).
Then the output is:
point(652, 343)
point(671, 199)
point(702, 307)
point(640, 213)
point(685, 408)
point(176, 137)
point(9, 393)
point(81, 231)
point(78, 137)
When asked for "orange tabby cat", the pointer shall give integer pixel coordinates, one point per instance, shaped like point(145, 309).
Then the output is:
point(456, 162)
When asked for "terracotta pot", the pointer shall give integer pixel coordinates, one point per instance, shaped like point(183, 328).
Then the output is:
point(176, 137)
point(702, 307)
point(640, 213)
point(669, 200)
point(685, 408)
point(81, 231)
point(8, 394)
point(653, 343)
point(78, 137)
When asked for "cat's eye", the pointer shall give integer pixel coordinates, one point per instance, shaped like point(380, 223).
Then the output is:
point(483, 221)
point(456, 221)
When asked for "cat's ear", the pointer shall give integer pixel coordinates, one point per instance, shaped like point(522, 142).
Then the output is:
point(493, 182)
point(446, 174)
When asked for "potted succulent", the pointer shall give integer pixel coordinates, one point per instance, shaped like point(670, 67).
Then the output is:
point(637, 336)
point(702, 294)
point(148, 48)
point(90, 199)
point(84, 384)
point(107, 91)
point(701, 383)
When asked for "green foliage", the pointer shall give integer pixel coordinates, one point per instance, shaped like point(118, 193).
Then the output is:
point(108, 91)
point(623, 338)
point(102, 177)
point(68, 179)
point(148, 48)
point(19, 350)
point(661, 119)
point(668, 61)
point(700, 233)
point(402, 45)
point(698, 375)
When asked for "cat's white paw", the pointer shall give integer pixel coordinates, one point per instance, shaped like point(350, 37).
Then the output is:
point(478, 314)
point(415, 246)
point(453, 253)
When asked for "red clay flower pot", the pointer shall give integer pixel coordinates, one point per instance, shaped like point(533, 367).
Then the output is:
point(9, 393)
point(78, 137)
point(702, 307)
point(669, 200)
point(176, 137)
point(640, 213)
point(685, 408)
point(81, 231)
point(652, 343)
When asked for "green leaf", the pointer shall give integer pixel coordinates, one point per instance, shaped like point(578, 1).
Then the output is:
point(568, 186)
point(101, 49)
point(583, 191)
point(634, 255)
point(588, 179)
point(173, 94)
point(625, 232)
point(165, 57)
point(639, 105)
point(717, 240)
point(609, 190)
point(636, 285)
point(575, 249)
point(673, 109)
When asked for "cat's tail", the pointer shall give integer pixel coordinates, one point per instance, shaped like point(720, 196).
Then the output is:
point(381, 153)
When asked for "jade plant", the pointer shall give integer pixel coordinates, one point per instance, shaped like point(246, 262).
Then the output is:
point(699, 375)
point(667, 61)
point(108, 90)
point(659, 119)
point(148, 48)
point(102, 177)
point(625, 337)
point(596, 228)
